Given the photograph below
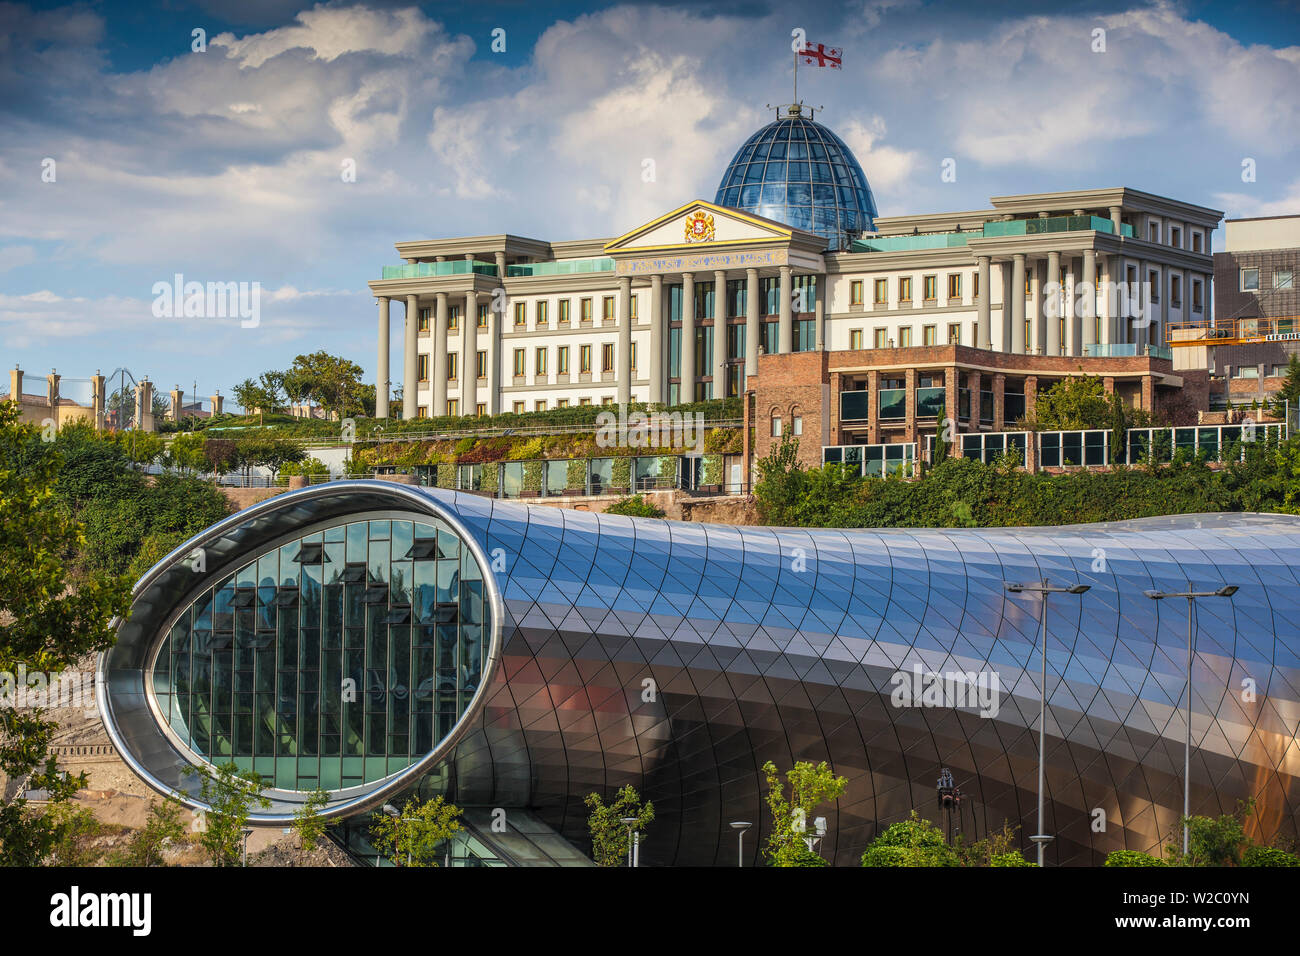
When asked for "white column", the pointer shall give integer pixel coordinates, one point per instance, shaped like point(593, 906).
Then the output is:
point(438, 374)
point(819, 311)
point(381, 373)
point(411, 365)
point(984, 305)
point(624, 340)
point(469, 355)
point(1088, 313)
point(686, 360)
point(751, 327)
point(1051, 308)
point(1104, 327)
point(785, 331)
point(719, 334)
point(1018, 304)
point(657, 337)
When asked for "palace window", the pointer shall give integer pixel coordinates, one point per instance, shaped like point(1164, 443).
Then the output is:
point(882, 292)
point(905, 290)
point(855, 292)
point(584, 359)
point(540, 361)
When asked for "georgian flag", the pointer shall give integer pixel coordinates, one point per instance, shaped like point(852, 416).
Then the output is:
point(819, 55)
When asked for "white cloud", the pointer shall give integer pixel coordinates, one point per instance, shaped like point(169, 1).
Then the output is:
point(226, 165)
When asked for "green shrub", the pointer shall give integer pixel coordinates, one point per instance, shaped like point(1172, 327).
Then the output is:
point(446, 475)
point(526, 448)
point(711, 470)
point(911, 842)
point(621, 473)
point(1132, 858)
point(1268, 856)
point(532, 475)
point(491, 474)
point(634, 507)
point(1013, 858)
point(575, 477)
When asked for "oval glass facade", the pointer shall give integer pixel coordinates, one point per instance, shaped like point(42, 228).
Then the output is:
point(332, 661)
point(800, 173)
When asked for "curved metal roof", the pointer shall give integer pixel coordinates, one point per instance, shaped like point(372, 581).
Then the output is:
point(831, 613)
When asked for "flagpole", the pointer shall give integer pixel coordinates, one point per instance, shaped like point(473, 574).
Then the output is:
point(796, 76)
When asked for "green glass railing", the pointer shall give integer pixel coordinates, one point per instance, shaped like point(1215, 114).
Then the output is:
point(566, 267)
point(935, 240)
point(454, 267)
point(1030, 227)
point(1126, 350)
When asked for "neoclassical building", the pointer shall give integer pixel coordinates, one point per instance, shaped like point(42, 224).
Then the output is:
point(790, 256)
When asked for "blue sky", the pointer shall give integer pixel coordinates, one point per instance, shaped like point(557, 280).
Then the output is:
point(224, 165)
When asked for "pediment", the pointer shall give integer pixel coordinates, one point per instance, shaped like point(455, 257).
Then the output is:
point(697, 225)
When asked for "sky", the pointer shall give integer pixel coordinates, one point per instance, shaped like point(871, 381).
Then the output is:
point(296, 143)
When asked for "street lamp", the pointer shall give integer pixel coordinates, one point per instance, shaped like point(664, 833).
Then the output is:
point(633, 841)
point(1041, 838)
point(740, 826)
point(1228, 590)
point(243, 852)
point(393, 812)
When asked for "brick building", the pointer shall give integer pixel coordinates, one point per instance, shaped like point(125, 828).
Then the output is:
point(902, 395)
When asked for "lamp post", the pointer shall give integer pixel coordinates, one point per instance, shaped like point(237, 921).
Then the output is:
point(1041, 838)
point(243, 850)
point(740, 826)
point(633, 841)
point(393, 812)
point(1228, 590)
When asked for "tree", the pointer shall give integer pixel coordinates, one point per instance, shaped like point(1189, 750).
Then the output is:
point(911, 842)
point(45, 626)
point(1288, 396)
point(413, 837)
point(308, 821)
point(781, 482)
point(219, 454)
point(810, 786)
point(141, 447)
point(78, 830)
point(1073, 403)
point(1214, 841)
point(330, 381)
point(186, 453)
point(230, 795)
point(609, 834)
point(163, 829)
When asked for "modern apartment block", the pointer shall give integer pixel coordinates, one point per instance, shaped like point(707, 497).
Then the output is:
point(1256, 326)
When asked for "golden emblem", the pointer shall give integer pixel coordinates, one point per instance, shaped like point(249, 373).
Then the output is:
point(699, 227)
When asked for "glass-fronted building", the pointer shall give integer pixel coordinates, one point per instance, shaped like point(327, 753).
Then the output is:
point(374, 639)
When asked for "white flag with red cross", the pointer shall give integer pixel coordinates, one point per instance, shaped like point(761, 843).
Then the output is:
point(821, 55)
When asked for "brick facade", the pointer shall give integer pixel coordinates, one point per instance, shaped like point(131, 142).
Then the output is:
point(808, 385)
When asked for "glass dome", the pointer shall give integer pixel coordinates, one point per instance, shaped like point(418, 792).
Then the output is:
point(798, 172)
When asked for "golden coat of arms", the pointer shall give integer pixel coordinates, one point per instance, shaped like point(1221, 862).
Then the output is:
point(699, 227)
